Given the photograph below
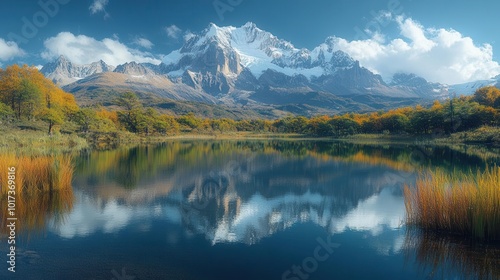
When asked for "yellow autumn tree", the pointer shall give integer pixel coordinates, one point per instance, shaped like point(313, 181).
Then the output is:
point(487, 96)
point(31, 95)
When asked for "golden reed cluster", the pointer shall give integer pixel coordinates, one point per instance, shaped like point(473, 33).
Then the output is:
point(37, 173)
point(463, 204)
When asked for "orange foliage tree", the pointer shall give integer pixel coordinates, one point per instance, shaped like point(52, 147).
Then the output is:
point(488, 96)
point(31, 95)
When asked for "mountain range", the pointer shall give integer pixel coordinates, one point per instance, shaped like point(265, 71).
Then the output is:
point(246, 68)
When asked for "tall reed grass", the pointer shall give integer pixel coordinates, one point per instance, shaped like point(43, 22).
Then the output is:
point(37, 173)
point(43, 189)
point(464, 204)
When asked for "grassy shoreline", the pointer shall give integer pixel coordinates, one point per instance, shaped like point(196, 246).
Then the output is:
point(481, 136)
point(32, 140)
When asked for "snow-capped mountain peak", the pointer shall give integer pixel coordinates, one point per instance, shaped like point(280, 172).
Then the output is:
point(216, 34)
point(330, 57)
point(63, 72)
point(258, 50)
point(471, 87)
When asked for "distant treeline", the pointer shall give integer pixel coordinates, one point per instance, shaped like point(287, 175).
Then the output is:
point(25, 94)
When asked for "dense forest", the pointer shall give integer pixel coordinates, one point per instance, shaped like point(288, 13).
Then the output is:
point(26, 95)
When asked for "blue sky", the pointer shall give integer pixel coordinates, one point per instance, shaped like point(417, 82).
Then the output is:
point(148, 29)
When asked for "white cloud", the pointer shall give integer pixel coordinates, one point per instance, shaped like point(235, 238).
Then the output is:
point(99, 6)
point(85, 219)
point(188, 35)
point(9, 50)
point(374, 214)
point(439, 55)
point(82, 49)
point(143, 42)
point(173, 31)
point(416, 33)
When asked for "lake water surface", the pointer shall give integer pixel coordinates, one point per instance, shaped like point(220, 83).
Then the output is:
point(246, 210)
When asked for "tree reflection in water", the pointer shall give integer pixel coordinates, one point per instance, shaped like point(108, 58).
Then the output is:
point(34, 210)
point(439, 254)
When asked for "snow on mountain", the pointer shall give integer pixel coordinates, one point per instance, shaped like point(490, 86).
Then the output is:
point(419, 86)
point(64, 72)
point(247, 65)
point(259, 51)
point(471, 87)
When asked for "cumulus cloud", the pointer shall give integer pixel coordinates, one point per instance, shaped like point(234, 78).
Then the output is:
point(439, 55)
point(9, 50)
point(99, 6)
point(173, 31)
point(143, 42)
point(188, 35)
point(82, 49)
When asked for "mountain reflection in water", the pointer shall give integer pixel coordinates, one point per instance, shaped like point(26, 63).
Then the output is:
point(183, 204)
point(230, 193)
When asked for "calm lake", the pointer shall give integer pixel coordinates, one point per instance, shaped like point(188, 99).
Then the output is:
point(255, 210)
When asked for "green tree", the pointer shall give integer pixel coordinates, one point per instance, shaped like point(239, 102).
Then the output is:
point(244, 125)
point(129, 101)
point(371, 123)
point(190, 120)
point(132, 117)
point(477, 115)
point(86, 118)
point(420, 121)
point(223, 125)
point(28, 99)
point(437, 118)
point(5, 111)
point(319, 126)
point(496, 105)
point(261, 125)
point(151, 122)
point(395, 122)
point(133, 120)
point(171, 125)
point(297, 124)
point(343, 126)
point(53, 117)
